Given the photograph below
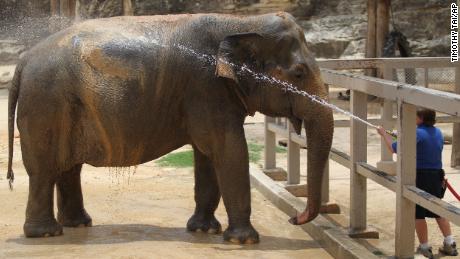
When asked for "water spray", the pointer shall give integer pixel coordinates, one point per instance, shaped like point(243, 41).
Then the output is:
point(211, 59)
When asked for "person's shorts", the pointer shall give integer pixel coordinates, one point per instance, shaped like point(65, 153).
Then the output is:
point(431, 181)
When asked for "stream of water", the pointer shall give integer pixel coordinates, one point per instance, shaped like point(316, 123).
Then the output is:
point(212, 60)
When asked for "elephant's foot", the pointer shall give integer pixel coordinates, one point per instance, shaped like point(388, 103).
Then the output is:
point(198, 223)
point(42, 229)
point(241, 235)
point(81, 219)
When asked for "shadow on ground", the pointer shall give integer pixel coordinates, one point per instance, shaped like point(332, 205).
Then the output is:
point(127, 233)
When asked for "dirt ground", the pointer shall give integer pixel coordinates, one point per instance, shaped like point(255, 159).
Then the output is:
point(142, 212)
point(139, 213)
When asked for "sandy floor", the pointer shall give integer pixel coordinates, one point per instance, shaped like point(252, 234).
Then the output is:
point(143, 214)
point(140, 214)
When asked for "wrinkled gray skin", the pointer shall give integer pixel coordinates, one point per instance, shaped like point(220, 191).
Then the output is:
point(103, 93)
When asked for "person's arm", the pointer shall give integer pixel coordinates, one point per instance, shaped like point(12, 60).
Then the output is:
point(386, 138)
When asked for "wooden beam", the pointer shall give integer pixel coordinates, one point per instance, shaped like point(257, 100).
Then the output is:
point(358, 153)
point(382, 25)
point(361, 63)
point(429, 98)
point(54, 7)
point(405, 208)
point(434, 204)
point(371, 31)
point(279, 130)
point(270, 145)
point(386, 117)
point(128, 9)
point(370, 172)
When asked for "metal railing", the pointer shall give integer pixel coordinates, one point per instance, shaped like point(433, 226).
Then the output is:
point(406, 97)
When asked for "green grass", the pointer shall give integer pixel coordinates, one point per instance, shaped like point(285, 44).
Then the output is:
point(179, 159)
point(184, 159)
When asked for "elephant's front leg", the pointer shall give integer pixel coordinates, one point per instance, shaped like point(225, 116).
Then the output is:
point(207, 196)
point(232, 166)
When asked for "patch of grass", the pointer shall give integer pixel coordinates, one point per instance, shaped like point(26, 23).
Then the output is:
point(281, 150)
point(185, 158)
point(178, 159)
point(254, 150)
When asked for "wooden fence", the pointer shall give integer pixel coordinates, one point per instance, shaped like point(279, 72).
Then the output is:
point(406, 97)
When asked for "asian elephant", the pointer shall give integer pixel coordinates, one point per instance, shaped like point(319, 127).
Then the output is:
point(122, 91)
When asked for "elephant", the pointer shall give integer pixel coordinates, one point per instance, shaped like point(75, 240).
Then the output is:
point(121, 91)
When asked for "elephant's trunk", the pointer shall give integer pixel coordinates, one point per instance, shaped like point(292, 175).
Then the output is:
point(319, 132)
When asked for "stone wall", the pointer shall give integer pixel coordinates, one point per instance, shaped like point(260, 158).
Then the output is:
point(333, 28)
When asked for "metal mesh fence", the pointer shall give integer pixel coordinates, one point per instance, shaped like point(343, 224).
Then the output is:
point(442, 79)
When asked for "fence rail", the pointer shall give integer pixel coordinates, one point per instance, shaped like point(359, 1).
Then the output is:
point(406, 97)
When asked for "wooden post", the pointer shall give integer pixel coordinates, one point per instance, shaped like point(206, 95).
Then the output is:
point(54, 7)
point(455, 156)
point(358, 151)
point(128, 8)
point(405, 209)
point(370, 40)
point(293, 166)
point(383, 25)
point(386, 162)
point(325, 185)
point(270, 145)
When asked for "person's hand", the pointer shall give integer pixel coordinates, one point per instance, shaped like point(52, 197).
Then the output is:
point(381, 131)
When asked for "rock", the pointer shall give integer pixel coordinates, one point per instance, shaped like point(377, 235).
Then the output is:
point(10, 51)
point(6, 75)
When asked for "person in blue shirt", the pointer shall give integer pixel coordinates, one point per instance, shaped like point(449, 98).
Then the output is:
point(430, 178)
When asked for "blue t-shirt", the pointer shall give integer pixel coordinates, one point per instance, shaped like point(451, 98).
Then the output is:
point(429, 147)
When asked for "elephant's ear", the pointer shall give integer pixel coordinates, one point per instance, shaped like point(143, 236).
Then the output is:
point(236, 50)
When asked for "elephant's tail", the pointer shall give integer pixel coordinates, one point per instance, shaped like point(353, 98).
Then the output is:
point(12, 101)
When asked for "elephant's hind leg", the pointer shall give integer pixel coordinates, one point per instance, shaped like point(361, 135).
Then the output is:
point(71, 212)
point(207, 196)
point(40, 221)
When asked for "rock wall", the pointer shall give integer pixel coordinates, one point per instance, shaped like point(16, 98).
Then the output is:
point(333, 28)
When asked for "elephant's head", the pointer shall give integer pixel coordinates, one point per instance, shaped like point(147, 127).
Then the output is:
point(278, 49)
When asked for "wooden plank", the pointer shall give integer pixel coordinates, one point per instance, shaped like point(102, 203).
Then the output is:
point(340, 64)
point(434, 204)
point(54, 7)
point(405, 208)
point(293, 153)
point(382, 25)
point(270, 145)
point(386, 117)
point(370, 172)
point(377, 121)
point(358, 153)
point(277, 129)
point(128, 7)
point(429, 98)
point(362, 63)
point(371, 31)
point(340, 157)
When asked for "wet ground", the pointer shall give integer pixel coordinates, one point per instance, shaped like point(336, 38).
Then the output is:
point(140, 213)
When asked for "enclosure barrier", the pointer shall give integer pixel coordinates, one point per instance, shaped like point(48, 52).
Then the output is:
point(407, 97)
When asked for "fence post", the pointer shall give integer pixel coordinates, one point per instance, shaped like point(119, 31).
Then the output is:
point(325, 185)
point(386, 162)
point(54, 7)
point(293, 166)
point(128, 7)
point(270, 145)
point(405, 209)
point(455, 156)
point(358, 152)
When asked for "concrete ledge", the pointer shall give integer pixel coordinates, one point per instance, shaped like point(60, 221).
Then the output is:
point(333, 238)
